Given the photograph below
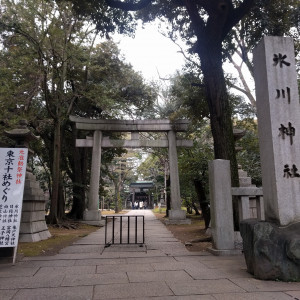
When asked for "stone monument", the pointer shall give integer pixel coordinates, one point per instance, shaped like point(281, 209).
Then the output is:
point(272, 248)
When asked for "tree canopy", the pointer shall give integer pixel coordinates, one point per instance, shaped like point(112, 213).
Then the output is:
point(54, 67)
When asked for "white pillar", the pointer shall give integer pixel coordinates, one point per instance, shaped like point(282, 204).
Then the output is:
point(93, 214)
point(175, 214)
point(221, 204)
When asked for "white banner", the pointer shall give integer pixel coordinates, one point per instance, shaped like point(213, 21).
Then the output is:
point(13, 163)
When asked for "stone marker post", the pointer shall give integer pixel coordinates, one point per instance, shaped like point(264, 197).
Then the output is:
point(278, 110)
point(221, 207)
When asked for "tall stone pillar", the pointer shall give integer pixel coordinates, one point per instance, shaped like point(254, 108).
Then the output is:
point(271, 248)
point(93, 215)
point(176, 214)
point(278, 128)
point(221, 207)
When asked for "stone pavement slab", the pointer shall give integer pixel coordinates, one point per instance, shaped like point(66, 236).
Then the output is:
point(202, 287)
point(7, 294)
point(46, 263)
point(253, 296)
point(66, 293)
point(124, 268)
point(175, 265)
point(31, 281)
point(162, 269)
point(151, 259)
point(255, 285)
point(75, 270)
point(160, 276)
point(191, 297)
point(131, 290)
point(100, 262)
point(8, 271)
point(294, 294)
point(94, 279)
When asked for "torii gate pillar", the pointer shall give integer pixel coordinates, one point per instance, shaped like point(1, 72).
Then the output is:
point(92, 215)
point(176, 214)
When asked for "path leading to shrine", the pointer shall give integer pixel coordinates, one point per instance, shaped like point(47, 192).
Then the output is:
point(160, 269)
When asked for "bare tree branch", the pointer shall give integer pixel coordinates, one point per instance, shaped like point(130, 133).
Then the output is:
point(246, 89)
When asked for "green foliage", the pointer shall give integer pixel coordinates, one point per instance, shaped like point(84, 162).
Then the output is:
point(152, 168)
point(187, 94)
point(108, 20)
point(248, 157)
point(269, 17)
point(193, 162)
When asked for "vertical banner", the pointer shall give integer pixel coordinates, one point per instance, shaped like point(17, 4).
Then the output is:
point(13, 163)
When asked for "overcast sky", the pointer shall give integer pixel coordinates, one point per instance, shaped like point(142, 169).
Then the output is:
point(150, 52)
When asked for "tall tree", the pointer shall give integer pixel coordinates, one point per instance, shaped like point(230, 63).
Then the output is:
point(49, 30)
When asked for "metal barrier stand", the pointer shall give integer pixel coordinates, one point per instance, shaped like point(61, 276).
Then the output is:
point(121, 240)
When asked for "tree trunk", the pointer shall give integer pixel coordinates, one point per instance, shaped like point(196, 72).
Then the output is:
point(117, 195)
point(79, 178)
point(204, 204)
point(61, 202)
point(220, 110)
point(168, 184)
point(53, 217)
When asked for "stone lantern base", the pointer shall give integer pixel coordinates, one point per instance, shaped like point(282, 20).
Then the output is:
point(33, 226)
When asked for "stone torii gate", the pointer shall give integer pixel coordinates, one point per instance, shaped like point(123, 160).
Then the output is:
point(93, 215)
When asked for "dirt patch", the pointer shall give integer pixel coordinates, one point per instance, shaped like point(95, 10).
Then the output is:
point(192, 236)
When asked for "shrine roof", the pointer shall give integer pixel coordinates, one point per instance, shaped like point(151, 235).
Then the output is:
point(142, 184)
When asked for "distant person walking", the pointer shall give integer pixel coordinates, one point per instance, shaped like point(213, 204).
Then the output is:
point(141, 204)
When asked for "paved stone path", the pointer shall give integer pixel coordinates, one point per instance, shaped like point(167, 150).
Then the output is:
point(160, 269)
